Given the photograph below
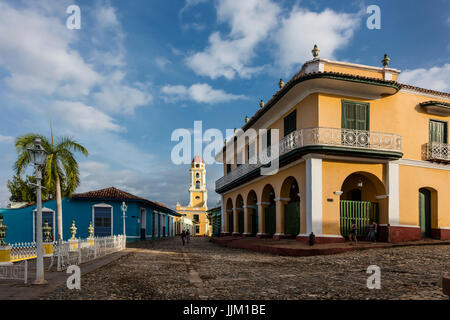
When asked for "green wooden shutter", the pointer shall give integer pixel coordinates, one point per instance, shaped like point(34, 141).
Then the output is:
point(438, 131)
point(355, 115)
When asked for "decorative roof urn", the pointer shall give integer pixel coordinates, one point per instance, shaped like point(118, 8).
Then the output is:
point(91, 230)
point(281, 83)
point(2, 232)
point(246, 119)
point(73, 230)
point(47, 231)
point(385, 61)
point(261, 103)
point(315, 51)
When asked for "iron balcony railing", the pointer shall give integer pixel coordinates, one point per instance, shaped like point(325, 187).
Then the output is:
point(321, 136)
point(437, 151)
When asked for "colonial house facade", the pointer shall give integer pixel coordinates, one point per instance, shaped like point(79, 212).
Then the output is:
point(144, 219)
point(354, 143)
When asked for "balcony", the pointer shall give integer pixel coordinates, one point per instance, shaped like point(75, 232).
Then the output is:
point(343, 140)
point(436, 151)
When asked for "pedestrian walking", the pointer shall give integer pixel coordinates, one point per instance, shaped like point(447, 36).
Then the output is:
point(188, 236)
point(183, 235)
point(372, 231)
point(353, 232)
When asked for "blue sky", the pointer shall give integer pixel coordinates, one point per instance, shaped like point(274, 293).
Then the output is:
point(139, 69)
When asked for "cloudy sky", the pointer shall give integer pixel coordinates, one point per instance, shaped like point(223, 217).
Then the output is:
point(139, 69)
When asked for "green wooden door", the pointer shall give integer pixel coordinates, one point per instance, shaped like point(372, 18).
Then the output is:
point(271, 220)
point(292, 218)
point(241, 221)
point(255, 220)
point(360, 211)
point(425, 212)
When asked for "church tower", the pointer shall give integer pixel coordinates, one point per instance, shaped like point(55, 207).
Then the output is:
point(197, 208)
point(197, 190)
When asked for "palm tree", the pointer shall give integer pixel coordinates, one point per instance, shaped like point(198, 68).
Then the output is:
point(60, 167)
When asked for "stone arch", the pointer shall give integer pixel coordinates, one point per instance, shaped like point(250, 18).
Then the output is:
point(428, 211)
point(268, 200)
point(290, 191)
point(229, 216)
point(252, 208)
point(239, 207)
point(363, 199)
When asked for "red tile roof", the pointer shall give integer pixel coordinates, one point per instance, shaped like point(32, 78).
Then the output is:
point(116, 194)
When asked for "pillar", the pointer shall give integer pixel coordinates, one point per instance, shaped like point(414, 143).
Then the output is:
point(262, 219)
point(280, 216)
point(393, 192)
point(313, 194)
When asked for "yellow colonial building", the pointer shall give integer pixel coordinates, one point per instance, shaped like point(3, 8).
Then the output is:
point(197, 208)
point(353, 143)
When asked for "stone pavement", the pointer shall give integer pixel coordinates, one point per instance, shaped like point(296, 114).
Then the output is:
point(18, 290)
point(291, 247)
point(164, 269)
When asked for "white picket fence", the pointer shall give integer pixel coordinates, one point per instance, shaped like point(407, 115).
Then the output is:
point(23, 251)
point(16, 271)
point(65, 253)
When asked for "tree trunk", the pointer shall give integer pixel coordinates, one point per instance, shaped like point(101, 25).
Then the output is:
point(59, 208)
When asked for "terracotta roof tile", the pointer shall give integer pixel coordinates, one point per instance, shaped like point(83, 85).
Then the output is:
point(115, 194)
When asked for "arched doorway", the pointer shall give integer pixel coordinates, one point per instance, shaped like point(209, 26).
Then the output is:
point(270, 219)
point(229, 215)
point(290, 190)
point(251, 201)
point(359, 202)
point(240, 214)
point(427, 210)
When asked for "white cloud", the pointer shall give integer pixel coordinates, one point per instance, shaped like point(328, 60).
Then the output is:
point(303, 28)
point(435, 78)
point(119, 98)
point(199, 92)
point(250, 22)
point(83, 117)
point(35, 50)
point(6, 139)
point(162, 62)
point(106, 17)
point(191, 3)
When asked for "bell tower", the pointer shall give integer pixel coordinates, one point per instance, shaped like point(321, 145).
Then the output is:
point(197, 190)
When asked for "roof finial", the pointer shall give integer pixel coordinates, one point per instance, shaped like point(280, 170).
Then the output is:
point(281, 83)
point(261, 103)
point(385, 60)
point(246, 119)
point(315, 51)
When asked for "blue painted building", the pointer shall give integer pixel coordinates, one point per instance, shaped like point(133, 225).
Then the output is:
point(144, 219)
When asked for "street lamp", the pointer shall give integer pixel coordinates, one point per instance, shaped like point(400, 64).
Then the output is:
point(124, 210)
point(38, 156)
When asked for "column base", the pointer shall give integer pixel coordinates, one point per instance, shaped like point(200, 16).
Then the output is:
point(246, 234)
point(441, 233)
point(40, 282)
point(321, 238)
point(279, 236)
point(225, 234)
point(262, 235)
point(399, 233)
point(236, 234)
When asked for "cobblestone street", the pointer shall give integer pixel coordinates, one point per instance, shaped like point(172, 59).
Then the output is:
point(202, 270)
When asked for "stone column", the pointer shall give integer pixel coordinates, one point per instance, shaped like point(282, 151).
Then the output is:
point(280, 215)
point(247, 220)
point(261, 219)
point(313, 194)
